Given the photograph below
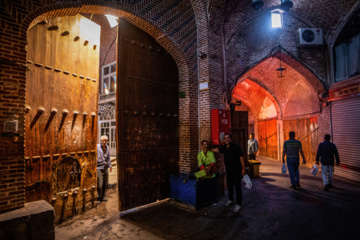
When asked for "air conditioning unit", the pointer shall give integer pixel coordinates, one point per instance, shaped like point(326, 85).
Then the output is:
point(309, 37)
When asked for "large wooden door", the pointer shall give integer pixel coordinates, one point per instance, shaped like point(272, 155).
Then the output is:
point(147, 118)
point(306, 131)
point(268, 146)
point(239, 129)
point(60, 122)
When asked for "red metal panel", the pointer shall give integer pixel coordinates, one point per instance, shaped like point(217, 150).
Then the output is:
point(220, 124)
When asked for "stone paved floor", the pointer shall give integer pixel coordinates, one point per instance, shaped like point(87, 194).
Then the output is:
point(270, 211)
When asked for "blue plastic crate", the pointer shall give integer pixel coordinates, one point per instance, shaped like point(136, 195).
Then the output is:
point(196, 193)
point(181, 191)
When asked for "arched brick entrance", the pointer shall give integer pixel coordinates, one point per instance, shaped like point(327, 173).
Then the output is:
point(160, 26)
point(186, 77)
point(292, 100)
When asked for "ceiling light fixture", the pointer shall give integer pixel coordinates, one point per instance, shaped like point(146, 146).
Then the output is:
point(277, 18)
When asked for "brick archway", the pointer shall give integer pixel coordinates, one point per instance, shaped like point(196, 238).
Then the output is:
point(143, 14)
point(255, 97)
point(299, 87)
point(294, 96)
point(182, 59)
point(265, 111)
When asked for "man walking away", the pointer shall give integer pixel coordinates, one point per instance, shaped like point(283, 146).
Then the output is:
point(326, 152)
point(292, 148)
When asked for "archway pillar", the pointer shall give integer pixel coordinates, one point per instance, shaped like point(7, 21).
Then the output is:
point(280, 137)
point(256, 129)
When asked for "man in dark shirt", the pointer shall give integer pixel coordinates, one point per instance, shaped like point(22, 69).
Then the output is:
point(235, 169)
point(291, 150)
point(326, 152)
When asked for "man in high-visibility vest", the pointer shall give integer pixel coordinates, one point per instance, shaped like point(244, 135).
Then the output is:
point(206, 162)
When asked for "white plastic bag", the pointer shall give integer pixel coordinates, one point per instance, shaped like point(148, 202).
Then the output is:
point(247, 182)
point(284, 168)
point(314, 170)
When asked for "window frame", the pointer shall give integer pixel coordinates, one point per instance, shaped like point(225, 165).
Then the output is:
point(348, 50)
point(107, 77)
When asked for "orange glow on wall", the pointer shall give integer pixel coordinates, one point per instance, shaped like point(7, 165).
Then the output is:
point(261, 102)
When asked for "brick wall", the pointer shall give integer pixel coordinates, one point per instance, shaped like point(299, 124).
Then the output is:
point(209, 17)
point(12, 101)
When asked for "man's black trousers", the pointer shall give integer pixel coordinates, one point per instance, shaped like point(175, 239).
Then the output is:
point(234, 179)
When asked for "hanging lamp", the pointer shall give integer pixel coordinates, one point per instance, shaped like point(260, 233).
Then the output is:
point(281, 70)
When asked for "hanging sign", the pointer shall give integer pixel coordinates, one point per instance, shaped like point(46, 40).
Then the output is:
point(342, 92)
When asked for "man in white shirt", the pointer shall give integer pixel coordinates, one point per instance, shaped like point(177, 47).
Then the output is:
point(103, 163)
point(253, 147)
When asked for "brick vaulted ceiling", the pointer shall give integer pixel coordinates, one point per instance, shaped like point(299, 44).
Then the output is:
point(248, 36)
point(175, 18)
point(263, 92)
point(327, 14)
point(249, 44)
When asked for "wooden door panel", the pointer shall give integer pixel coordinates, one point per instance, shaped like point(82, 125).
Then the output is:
point(306, 130)
point(147, 111)
point(53, 82)
point(268, 145)
point(239, 129)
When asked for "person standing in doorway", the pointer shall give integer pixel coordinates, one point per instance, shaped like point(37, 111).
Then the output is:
point(326, 152)
point(253, 147)
point(292, 148)
point(235, 169)
point(103, 163)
